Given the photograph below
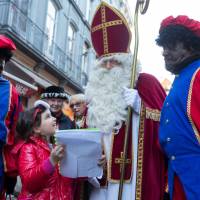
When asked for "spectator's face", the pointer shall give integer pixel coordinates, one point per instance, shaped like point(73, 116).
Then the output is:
point(48, 124)
point(78, 107)
point(55, 105)
point(2, 64)
point(174, 55)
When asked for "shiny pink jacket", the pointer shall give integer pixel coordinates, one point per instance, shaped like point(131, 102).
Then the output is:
point(40, 180)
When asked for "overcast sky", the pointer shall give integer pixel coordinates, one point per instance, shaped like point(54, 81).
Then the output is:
point(150, 55)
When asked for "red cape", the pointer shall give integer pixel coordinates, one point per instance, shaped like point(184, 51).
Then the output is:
point(151, 172)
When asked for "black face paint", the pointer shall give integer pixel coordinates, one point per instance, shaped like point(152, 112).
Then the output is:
point(2, 64)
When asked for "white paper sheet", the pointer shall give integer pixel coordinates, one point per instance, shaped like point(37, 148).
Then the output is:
point(83, 150)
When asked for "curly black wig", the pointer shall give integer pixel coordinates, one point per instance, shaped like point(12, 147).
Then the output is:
point(172, 34)
point(6, 54)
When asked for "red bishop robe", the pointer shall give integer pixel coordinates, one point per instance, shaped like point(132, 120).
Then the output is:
point(151, 168)
point(152, 163)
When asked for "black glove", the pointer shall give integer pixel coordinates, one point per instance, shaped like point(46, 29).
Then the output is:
point(9, 184)
point(166, 196)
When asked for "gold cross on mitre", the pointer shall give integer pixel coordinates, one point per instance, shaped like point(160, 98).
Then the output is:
point(104, 25)
point(121, 160)
point(110, 32)
point(108, 17)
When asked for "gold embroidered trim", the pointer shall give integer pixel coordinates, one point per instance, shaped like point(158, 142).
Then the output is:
point(138, 192)
point(105, 35)
point(106, 166)
point(4, 160)
point(123, 19)
point(153, 114)
point(189, 106)
point(105, 40)
point(167, 188)
point(111, 54)
point(120, 161)
point(106, 25)
point(109, 165)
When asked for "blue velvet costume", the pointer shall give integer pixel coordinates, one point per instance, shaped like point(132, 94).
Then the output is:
point(4, 108)
point(179, 137)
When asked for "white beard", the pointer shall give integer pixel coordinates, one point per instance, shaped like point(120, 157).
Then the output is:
point(106, 106)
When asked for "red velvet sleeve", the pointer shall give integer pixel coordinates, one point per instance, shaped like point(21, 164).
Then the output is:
point(11, 122)
point(33, 174)
point(12, 116)
point(194, 102)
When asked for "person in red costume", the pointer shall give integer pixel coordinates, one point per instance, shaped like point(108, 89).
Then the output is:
point(10, 107)
point(37, 159)
point(108, 96)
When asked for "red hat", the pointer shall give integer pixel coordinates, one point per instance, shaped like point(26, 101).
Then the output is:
point(182, 20)
point(6, 43)
point(110, 32)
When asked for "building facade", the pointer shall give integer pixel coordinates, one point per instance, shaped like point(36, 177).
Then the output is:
point(53, 43)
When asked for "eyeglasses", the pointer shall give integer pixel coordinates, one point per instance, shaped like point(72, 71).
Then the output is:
point(77, 105)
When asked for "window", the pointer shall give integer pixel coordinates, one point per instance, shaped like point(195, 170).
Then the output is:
point(71, 39)
point(20, 16)
point(71, 35)
point(76, 1)
point(88, 7)
point(84, 63)
point(50, 23)
point(84, 59)
point(23, 5)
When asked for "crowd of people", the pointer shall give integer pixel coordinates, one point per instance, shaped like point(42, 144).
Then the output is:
point(162, 161)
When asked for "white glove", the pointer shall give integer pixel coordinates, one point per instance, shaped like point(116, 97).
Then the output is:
point(131, 98)
point(94, 182)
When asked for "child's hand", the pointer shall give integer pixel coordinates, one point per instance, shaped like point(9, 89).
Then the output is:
point(57, 154)
point(102, 161)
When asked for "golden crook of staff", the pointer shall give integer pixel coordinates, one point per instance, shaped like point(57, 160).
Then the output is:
point(143, 6)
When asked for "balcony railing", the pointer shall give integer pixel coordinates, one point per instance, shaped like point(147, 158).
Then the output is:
point(32, 35)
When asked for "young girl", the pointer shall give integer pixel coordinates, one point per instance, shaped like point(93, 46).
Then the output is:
point(37, 161)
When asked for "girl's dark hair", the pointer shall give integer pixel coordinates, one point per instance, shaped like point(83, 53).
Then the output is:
point(6, 54)
point(172, 34)
point(28, 120)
